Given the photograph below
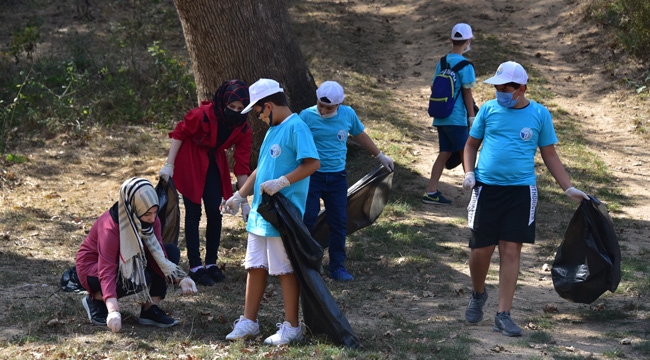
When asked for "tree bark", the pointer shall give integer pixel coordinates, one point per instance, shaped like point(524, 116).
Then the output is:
point(247, 40)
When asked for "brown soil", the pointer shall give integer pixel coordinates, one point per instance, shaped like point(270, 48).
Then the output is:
point(576, 59)
point(68, 182)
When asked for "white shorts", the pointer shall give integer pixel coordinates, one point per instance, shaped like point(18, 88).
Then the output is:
point(267, 252)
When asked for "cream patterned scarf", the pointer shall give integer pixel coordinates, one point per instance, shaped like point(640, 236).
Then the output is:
point(137, 196)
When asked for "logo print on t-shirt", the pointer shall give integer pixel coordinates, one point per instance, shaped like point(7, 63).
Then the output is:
point(275, 150)
point(341, 135)
point(526, 134)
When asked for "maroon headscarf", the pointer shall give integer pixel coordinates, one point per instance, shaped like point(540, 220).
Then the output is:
point(228, 92)
point(228, 120)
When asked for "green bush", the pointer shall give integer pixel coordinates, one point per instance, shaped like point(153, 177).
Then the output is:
point(94, 79)
point(630, 18)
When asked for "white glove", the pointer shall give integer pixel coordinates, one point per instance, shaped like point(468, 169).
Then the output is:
point(470, 120)
point(272, 186)
point(245, 210)
point(386, 161)
point(575, 194)
point(188, 286)
point(166, 172)
point(232, 205)
point(114, 321)
point(469, 181)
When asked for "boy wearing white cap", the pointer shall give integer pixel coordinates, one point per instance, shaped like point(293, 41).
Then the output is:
point(287, 158)
point(330, 123)
point(452, 130)
point(503, 183)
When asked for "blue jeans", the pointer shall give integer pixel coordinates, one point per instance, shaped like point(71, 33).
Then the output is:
point(211, 200)
point(333, 189)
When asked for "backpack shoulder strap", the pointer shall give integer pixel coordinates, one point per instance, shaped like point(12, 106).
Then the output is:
point(443, 63)
point(461, 64)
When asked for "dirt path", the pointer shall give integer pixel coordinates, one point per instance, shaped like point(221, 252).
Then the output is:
point(566, 56)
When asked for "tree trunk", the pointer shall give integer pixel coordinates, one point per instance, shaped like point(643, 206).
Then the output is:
point(247, 40)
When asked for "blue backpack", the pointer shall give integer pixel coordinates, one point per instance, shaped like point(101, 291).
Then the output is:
point(443, 89)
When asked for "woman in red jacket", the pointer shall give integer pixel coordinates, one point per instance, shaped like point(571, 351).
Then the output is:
point(198, 164)
point(124, 254)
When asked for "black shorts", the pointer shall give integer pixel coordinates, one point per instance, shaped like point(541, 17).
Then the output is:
point(502, 213)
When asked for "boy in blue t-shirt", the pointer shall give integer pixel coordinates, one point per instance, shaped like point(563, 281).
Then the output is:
point(504, 192)
point(287, 158)
point(452, 130)
point(330, 123)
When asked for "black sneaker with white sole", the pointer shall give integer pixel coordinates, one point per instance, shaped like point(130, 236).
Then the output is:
point(155, 316)
point(96, 309)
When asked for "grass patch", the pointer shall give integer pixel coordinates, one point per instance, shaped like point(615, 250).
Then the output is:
point(604, 315)
point(643, 347)
point(540, 337)
point(615, 353)
point(633, 273)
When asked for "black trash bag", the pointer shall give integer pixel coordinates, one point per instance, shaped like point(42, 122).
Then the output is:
point(289, 222)
point(169, 211)
point(366, 200)
point(588, 262)
point(70, 281)
point(453, 161)
point(320, 311)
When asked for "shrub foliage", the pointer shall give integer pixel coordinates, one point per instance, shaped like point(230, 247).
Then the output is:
point(124, 76)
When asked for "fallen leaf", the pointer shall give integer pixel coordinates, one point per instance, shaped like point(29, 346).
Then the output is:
point(497, 348)
point(532, 326)
point(551, 309)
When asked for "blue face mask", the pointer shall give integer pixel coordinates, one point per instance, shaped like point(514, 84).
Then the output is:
point(505, 99)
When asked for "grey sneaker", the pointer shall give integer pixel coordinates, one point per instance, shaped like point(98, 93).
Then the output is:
point(474, 311)
point(503, 323)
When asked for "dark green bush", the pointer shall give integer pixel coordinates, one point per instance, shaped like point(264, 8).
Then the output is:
point(123, 76)
point(631, 21)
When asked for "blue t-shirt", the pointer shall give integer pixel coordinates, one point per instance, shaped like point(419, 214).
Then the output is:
point(465, 78)
point(284, 147)
point(510, 141)
point(330, 135)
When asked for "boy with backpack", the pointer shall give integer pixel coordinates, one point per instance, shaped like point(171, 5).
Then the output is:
point(451, 106)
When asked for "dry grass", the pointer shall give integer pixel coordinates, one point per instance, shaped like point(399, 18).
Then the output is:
point(411, 283)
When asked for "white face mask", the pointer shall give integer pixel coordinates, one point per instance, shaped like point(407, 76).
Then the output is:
point(467, 48)
point(330, 115)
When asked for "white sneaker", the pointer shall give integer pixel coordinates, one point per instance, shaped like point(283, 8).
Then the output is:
point(286, 334)
point(243, 328)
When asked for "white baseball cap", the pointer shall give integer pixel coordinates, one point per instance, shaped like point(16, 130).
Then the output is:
point(330, 93)
point(507, 72)
point(261, 89)
point(461, 31)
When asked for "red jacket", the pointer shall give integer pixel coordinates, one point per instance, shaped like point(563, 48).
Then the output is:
point(100, 251)
point(199, 137)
